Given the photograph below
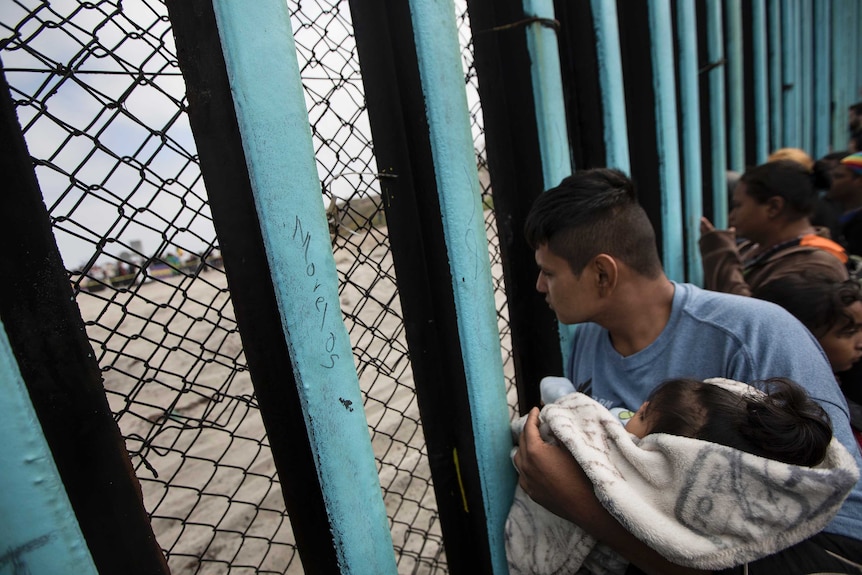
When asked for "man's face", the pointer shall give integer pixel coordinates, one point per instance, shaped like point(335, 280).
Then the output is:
point(845, 183)
point(843, 343)
point(569, 296)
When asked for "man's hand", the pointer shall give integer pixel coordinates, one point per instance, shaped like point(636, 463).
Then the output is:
point(549, 474)
point(554, 480)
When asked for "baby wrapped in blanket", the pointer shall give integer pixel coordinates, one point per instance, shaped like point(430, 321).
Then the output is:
point(699, 503)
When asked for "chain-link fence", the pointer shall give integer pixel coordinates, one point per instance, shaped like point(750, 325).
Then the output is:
point(102, 104)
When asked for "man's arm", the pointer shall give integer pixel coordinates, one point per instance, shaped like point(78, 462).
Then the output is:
point(552, 478)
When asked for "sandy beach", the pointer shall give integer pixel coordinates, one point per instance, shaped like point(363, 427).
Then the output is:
point(176, 379)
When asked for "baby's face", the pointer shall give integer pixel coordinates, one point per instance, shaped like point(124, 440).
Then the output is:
point(638, 425)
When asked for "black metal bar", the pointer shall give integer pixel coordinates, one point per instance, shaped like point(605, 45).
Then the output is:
point(749, 83)
point(641, 107)
point(703, 64)
point(58, 365)
point(216, 132)
point(581, 85)
point(396, 108)
point(515, 165)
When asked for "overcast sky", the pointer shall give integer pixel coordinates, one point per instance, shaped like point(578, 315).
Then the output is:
point(125, 173)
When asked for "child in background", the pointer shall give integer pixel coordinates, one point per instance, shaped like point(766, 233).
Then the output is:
point(832, 312)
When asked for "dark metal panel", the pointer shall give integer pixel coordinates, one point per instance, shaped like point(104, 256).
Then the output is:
point(223, 165)
point(396, 109)
point(641, 108)
point(706, 128)
point(515, 165)
point(581, 84)
point(58, 365)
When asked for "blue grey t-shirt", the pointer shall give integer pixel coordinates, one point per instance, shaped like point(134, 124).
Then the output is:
point(711, 334)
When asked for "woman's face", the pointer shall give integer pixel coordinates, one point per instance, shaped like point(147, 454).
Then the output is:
point(747, 215)
point(843, 343)
point(843, 184)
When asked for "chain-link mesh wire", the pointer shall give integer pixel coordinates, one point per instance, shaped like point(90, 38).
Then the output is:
point(102, 104)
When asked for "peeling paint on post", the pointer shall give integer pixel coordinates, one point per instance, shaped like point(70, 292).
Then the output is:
point(761, 80)
point(667, 140)
point(550, 113)
point(735, 86)
point(715, 40)
point(456, 173)
point(611, 80)
point(822, 77)
point(273, 121)
point(690, 108)
point(39, 531)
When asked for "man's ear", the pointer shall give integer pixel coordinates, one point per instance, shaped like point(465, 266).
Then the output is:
point(775, 206)
point(607, 273)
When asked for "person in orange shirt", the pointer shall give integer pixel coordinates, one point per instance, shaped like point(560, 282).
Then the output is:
point(770, 210)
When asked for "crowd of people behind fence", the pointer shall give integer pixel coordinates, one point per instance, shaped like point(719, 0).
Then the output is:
point(781, 299)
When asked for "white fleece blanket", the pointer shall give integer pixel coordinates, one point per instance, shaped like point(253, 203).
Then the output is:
point(699, 504)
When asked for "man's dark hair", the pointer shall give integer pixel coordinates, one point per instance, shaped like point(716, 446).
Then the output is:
point(594, 212)
point(786, 179)
point(856, 108)
point(820, 303)
point(785, 424)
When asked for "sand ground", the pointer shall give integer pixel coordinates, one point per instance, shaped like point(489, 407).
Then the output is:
point(175, 377)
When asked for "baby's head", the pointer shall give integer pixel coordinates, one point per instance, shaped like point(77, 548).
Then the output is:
point(785, 424)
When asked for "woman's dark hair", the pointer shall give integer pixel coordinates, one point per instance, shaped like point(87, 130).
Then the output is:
point(783, 178)
point(593, 212)
point(820, 303)
point(823, 167)
point(785, 424)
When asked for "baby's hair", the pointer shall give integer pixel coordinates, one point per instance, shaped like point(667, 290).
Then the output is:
point(785, 424)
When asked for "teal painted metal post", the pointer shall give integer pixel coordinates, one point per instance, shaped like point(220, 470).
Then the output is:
point(735, 86)
point(38, 529)
point(715, 54)
point(550, 114)
point(776, 98)
point(857, 57)
point(791, 74)
point(841, 42)
point(806, 77)
point(760, 50)
point(273, 123)
point(548, 90)
point(667, 138)
point(822, 77)
point(854, 74)
point(835, 56)
point(690, 113)
point(438, 53)
point(611, 80)
point(837, 121)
